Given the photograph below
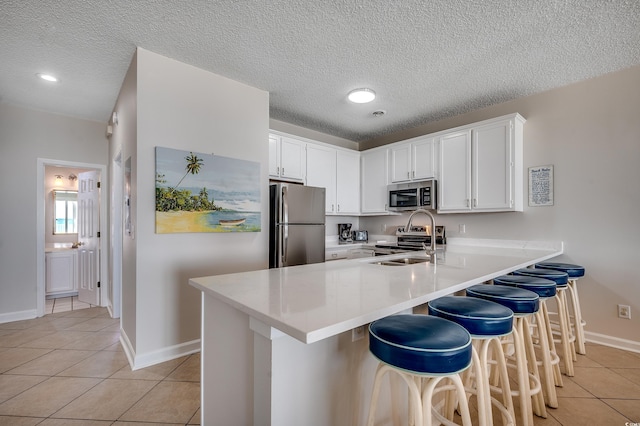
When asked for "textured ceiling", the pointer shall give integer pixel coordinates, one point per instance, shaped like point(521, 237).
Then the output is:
point(426, 60)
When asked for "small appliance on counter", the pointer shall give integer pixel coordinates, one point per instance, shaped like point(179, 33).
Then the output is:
point(412, 240)
point(344, 233)
point(360, 236)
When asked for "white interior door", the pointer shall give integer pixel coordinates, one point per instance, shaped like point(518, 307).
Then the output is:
point(88, 236)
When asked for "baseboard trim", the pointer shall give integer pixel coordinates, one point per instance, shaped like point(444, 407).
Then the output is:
point(614, 342)
point(166, 354)
point(18, 316)
point(156, 357)
point(127, 347)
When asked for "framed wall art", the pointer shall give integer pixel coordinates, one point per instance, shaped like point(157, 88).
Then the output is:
point(197, 192)
point(541, 186)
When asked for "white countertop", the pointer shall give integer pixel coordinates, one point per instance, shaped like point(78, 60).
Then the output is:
point(57, 247)
point(313, 302)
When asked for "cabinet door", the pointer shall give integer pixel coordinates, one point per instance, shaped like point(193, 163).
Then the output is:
point(374, 172)
point(423, 159)
point(292, 158)
point(274, 156)
point(348, 182)
point(454, 183)
point(321, 172)
point(492, 167)
point(400, 163)
point(60, 272)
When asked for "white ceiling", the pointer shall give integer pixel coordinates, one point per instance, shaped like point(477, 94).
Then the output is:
point(426, 59)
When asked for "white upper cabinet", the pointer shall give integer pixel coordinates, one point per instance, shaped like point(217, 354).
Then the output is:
point(400, 157)
point(423, 158)
point(413, 160)
point(348, 182)
point(374, 179)
point(321, 172)
point(287, 158)
point(478, 167)
point(339, 172)
point(481, 167)
point(454, 180)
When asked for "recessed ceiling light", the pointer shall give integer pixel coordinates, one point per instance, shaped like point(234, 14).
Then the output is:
point(362, 96)
point(47, 77)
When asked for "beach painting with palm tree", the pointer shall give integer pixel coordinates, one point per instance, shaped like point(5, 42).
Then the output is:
point(198, 192)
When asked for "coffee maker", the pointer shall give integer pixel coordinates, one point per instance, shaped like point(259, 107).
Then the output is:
point(344, 233)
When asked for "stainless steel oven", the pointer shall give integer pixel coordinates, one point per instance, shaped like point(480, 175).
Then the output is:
point(412, 196)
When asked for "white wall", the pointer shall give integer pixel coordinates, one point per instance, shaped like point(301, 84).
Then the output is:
point(123, 143)
point(590, 132)
point(183, 107)
point(25, 136)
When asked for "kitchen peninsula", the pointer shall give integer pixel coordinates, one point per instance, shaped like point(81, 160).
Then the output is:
point(286, 346)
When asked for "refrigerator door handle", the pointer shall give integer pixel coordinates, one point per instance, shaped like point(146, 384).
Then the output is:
point(285, 219)
point(285, 244)
point(285, 206)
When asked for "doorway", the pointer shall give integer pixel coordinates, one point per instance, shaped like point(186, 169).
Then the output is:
point(41, 229)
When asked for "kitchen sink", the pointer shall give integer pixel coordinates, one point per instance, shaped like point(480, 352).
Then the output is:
point(402, 261)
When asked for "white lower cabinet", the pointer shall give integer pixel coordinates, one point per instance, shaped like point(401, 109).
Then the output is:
point(347, 252)
point(61, 272)
point(481, 167)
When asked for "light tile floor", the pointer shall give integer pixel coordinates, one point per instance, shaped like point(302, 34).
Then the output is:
point(68, 368)
point(64, 304)
point(604, 391)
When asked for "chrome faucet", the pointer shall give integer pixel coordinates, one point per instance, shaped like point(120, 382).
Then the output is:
point(431, 250)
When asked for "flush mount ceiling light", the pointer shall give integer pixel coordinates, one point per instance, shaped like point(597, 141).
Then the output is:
point(361, 96)
point(48, 77)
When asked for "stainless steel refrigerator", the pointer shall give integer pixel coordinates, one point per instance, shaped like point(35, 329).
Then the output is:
point(296, 225)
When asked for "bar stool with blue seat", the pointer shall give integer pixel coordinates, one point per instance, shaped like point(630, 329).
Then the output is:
point(574, 272)
point(523, 303)
point(548, 360)
point(423, 350)
point(567, 338)
point(487, 322)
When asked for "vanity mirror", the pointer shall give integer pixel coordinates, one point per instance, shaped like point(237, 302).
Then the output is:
point(65, 212)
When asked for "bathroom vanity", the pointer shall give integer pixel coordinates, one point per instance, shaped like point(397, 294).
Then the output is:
point(61, 266)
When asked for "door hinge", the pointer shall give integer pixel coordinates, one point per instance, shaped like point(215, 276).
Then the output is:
point(98, 284)
point(98, 184)
point(98, 234)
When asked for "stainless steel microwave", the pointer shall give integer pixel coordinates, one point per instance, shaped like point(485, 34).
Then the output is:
point(412, 196)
